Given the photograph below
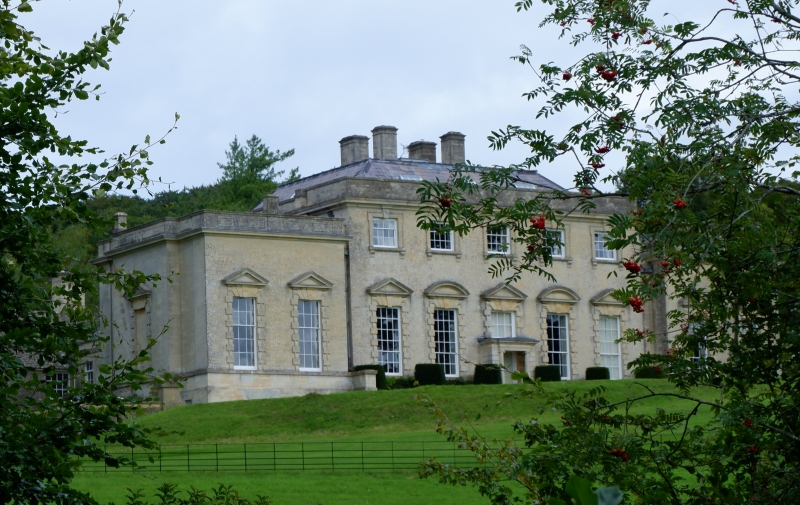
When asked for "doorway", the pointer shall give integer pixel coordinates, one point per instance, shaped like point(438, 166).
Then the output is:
point(514, 361)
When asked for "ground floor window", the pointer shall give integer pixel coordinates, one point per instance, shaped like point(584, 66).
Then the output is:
point(558, 343)
point(59, 381)
point(389, 339)
point(88, 370)
point(308, 327)
point(444, 325)
point(244, 333)
point(609, 347)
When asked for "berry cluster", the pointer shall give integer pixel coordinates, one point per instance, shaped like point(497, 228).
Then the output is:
point(537, 222)
point(679, 204)
point(636, 304)
point(620, 453)
point(632, 267)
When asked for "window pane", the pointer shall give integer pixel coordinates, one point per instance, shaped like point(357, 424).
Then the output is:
point(444, 322)
point(558, 342)
point(557, 250)
point(244, 332)
point(308, 324)
point(502, 324)
point(384, 232)
point(600, 249)
point(442, 241)
point(88, 369)
point(609, 348)
point(497, 239)
point(389, 339)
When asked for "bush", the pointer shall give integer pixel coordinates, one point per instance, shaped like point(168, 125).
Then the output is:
point(380, 380)
point(403, 383)
point(488, 374)
point(548, 373)
point(457, 381)
point(648, 372)
point(429, 374)
point(597, 373)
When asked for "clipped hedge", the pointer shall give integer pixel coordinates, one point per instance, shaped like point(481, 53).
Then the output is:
point(402, 382)
point(548, 373)
point(648, 372)
point(380, 380)
point(488, 374)
point(598, 373)
point(429, 374)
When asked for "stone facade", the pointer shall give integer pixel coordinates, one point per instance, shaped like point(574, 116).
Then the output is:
point(318, 243)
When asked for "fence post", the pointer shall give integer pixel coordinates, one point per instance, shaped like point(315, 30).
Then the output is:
point(303, 454)
point(105, 463)
point(392, 454)
point(333, 463)
point(362, 457)
point(245, 457)
point(423, 450)
point(187, 458)
point(216, 455)
point(159, 459)
point(274, 459)
point(454, 453)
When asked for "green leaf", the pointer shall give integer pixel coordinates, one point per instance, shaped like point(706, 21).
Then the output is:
point(81, 94)
point(580, 490)
point(25, 7)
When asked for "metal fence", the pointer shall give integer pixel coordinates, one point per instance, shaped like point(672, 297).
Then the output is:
point(288, 456)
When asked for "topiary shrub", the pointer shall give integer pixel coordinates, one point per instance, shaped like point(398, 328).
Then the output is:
point(597, 373)
point(548, 373)
point(488, 374)
point(648, 372)
point(429, 374)
point(403, 383)
point(380, 380)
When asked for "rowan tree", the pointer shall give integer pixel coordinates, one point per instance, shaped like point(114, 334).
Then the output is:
point(696, 122)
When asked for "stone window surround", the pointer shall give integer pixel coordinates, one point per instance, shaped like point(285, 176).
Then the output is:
point(438, 296)
point(382, 295)
point(312, 287)
point(565, 304)
point(140, 301)
point(386, 214)
point(567, 245)
point(595, 261)
point(513, 302)
point(246, 283)
point(604, 305)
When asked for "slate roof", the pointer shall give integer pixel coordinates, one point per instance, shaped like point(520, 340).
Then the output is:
point(402, 169)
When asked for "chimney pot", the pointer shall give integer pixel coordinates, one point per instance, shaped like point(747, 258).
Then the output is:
point(384, 142)
point(120, 222)
point(422, 150)
point(453, 148)
point(354, 148)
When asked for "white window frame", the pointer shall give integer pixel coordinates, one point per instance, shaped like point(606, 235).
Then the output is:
point(60, 383)
point(308, 324)
point(493, 322)
point(504, 237)
point(434, 237)
point(603, 339)
point(446, 341)
point(377, 224)
point(398, 339)
point(565, 366)
point(601, 251)
point(248, 323)
point(88, 370)
point(562, 248)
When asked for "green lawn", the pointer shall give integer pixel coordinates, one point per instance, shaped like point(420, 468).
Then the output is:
point(383, 420)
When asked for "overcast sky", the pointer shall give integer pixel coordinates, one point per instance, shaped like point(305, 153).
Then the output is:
point(302, 75)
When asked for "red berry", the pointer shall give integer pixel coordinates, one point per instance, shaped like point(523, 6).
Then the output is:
point(748, 422)
point(609, 75)
point(679, 204)
point(753, 449)
point(657, 369)
point(664, 263)
point(632, 267)
point(677, 263)
point(598, 166)
point(566, 76)
point(616, 35)
point(647, 42)
point(737, 63)
point(602, 150)
point(563, 23)
point(591, 21)
point(599, 68)
point(531, 249)
point(585, 192)
point(538, 223)
point(751, 301)
point(445, 202)
point(636, 304)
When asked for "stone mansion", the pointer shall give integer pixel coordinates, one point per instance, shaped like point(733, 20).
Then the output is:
point(331, 271)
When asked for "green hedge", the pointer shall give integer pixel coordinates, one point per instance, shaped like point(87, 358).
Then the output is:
point(548, 373)
point(648, 372)
point(380, 380)
point(402, 382)
point(429, 374)
point(488, 374)
point(597, 373)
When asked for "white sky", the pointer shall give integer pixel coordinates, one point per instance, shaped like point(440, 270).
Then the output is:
point(305, 74)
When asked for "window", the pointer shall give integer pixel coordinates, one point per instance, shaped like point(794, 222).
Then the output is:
point(384, 232)
point(59, 381)
point(308, 328)
point(389, 339)
point(557, 250)
point(88, 370)
point(244, 333)
point(441, 241)
point(558, 343)
point(444, 326)
point(609, 347)
point(502, 324)
point(601, 251)
point(497, 240)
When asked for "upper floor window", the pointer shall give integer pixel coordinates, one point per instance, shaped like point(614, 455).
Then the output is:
point(384, 232)
point(441, 241)
point(502, 324)
point(601, 250)
point(88, 370)
point(497, 240)
point(557, 250)
point(244, 333)
point(308, 328)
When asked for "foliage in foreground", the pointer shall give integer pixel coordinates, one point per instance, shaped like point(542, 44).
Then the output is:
point(696, 125)
point(168, 494)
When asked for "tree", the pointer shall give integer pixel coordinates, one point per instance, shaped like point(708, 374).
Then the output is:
point(698, 124)
point(254, 161)
point(44, 328)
